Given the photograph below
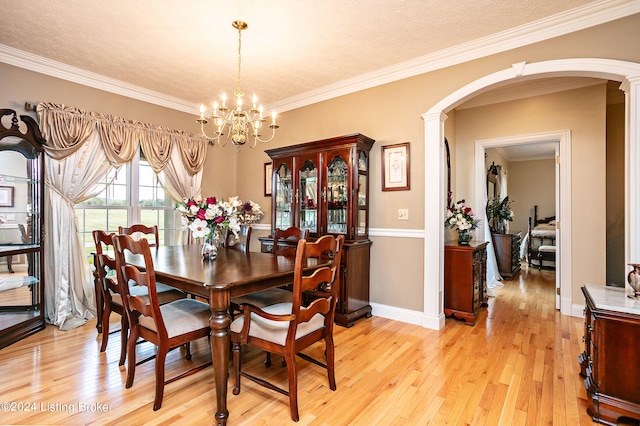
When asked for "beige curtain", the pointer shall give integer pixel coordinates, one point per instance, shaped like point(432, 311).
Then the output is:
point(82, 147)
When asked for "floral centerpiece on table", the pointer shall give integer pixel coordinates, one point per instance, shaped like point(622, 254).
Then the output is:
point(247, 212)
point(210, 217)
point(499, 212)
point(461, 218)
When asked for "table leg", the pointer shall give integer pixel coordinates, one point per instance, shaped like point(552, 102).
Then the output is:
point(220, 343)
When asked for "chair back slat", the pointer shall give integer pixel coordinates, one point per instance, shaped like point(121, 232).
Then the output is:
point(137, 306)
point(327, 278)
point(104, 262)
point(292, 234)
point(140, 230)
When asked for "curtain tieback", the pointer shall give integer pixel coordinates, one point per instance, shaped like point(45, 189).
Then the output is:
point(64, 197)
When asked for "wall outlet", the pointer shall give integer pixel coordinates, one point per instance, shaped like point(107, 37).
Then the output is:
point(11, 217)
point(403, 214)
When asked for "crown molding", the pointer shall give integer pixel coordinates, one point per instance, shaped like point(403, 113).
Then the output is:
point(590, 15)
point(595, 13)
point(29, 61)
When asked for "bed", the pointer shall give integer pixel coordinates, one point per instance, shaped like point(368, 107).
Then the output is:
point(538, 245)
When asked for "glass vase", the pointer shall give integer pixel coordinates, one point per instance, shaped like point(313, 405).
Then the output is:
point(209, 248)
point(464, 236)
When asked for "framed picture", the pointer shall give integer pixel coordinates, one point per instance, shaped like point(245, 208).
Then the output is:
point(268, 168)
point(396, 167)
point(6, 196)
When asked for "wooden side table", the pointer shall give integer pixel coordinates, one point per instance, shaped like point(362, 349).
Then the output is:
point(465, 270)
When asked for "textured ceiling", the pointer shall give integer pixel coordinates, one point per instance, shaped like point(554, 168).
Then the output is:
point(188, 49)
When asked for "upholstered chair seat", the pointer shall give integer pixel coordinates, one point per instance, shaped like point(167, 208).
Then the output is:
point(276, 331)
point(180, 317)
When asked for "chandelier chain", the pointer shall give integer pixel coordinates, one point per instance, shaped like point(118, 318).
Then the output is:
point(239, 90)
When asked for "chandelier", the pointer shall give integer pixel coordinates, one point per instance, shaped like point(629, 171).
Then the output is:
point(238, 124)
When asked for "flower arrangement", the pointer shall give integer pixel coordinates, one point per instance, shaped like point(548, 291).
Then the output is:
point(498, 212)
point(249, 212)
point(460, 217)
point(206, 217)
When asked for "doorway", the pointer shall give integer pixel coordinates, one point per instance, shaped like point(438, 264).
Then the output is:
point(562, 142)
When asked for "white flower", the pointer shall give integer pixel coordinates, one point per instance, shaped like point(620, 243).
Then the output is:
point(210, 213)
point(234, 202)
point(199, 228)
point(194, 209)
point(234, 225)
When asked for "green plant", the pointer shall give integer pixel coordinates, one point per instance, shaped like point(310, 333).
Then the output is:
point(498, 212)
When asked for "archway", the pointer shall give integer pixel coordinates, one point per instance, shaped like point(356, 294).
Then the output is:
point(626, 72)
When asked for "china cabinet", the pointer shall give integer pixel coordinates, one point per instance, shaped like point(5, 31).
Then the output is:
point(610, 363)
point(21, 231)
point(323, 186)
point(465, 287)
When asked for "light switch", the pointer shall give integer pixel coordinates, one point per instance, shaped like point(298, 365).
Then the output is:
point(11, 217)
point(403, 214)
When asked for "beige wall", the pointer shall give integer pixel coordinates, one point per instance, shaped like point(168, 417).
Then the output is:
point(531, 183)
point(390, 114)
point(616, 269)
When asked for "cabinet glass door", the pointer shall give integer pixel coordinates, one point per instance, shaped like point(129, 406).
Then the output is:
point(307, 197)
point(283, 198)
point(362, 218)
point(337, 196)
point(20, 289)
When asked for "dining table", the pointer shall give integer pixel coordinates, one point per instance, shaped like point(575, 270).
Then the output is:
point(233, 273)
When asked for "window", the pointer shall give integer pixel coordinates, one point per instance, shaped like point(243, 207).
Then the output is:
point(131, 195)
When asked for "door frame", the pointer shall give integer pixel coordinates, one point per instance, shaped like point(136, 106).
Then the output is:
point(562, 139)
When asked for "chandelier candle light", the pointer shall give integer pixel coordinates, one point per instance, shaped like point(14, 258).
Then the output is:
point(241, 124)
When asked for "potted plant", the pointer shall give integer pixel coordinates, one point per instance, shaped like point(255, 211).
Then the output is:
point(498, 213)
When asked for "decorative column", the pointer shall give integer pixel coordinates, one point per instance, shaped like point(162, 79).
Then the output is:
point(434, 196)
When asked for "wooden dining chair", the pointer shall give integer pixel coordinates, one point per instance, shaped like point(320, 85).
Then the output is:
point(144, 231)
point(111, 297)
point(288, 328)
point(167, 326)
point(289, 238)
point(241, 241)
point(273, 296)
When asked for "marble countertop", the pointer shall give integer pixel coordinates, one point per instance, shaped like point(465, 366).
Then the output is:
point(613, 299)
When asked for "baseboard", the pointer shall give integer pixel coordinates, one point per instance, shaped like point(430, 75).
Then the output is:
point(577, 310)
point(408, 316)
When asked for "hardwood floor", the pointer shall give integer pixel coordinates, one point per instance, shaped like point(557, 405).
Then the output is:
point(517, 365)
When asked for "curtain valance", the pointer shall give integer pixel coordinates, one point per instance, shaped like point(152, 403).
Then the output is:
point(67, 129)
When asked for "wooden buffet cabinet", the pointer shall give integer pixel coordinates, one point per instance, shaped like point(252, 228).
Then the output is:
point(465, 288)
point(323, 186)
point(507, 249)
point(610, 363)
